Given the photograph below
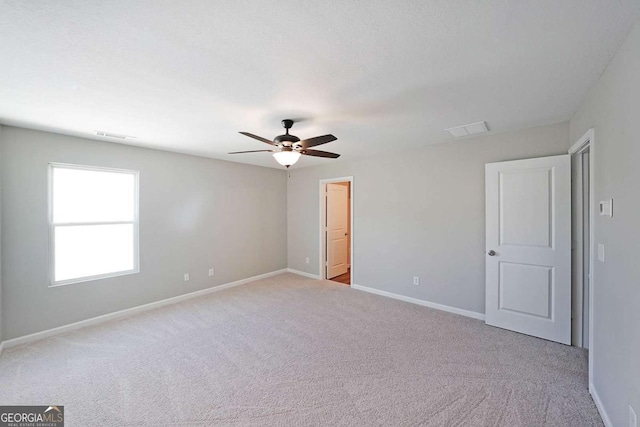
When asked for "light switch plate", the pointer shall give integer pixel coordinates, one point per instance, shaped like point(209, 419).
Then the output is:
point(606, 208)
point(600, 252)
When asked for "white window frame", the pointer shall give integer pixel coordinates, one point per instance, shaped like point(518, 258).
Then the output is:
point(52, 225)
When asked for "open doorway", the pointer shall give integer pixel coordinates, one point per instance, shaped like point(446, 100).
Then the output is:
point(582, 240)
point(336, 229)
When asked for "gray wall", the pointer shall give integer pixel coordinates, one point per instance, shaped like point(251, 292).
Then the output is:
point(613, 110)
point(416, 213)
point(195, 213)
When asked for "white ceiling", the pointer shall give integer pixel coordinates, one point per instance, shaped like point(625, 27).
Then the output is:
point(188, 75)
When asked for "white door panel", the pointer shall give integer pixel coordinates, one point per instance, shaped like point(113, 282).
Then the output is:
point(525, 221)
point(525, 289)
point(528, 226)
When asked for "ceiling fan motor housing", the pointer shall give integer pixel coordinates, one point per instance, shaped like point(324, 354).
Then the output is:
point(286, 139)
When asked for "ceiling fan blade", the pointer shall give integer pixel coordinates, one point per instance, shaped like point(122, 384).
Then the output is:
point(259, 138)
point(318, 140)
point(318, 153)
point(252, 151)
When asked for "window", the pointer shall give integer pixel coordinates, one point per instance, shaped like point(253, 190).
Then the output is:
point(93, 223)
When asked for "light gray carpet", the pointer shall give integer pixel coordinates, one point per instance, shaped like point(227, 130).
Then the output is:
point(294, 351)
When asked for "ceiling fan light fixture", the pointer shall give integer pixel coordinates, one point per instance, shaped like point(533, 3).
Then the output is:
point(288, 148)
point(286, 158)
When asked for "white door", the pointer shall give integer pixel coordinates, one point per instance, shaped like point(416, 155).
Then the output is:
point(337, 225)
point(528, 246)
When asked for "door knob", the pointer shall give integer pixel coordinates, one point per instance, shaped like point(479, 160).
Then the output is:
point(491, 252)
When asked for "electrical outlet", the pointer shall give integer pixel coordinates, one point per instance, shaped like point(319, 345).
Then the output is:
point(633, 417)
point(186, 277)
point(600, 252)
point(306, 260)
point(416, 280)
point(211, 272)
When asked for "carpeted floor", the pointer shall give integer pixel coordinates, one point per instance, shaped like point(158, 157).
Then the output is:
point(294, 351)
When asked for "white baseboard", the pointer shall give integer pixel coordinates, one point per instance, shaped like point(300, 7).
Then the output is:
point(129, 311)
point(448, 308)
point(302, 273)
point(603, 413)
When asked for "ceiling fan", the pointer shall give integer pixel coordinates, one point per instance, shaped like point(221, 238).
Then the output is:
point(288, 148)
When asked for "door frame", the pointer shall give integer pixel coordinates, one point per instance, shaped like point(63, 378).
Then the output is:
point(323, 220)
point(587, 141)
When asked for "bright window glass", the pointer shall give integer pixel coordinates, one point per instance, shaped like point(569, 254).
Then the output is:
point(94, 223)
point(92, 196)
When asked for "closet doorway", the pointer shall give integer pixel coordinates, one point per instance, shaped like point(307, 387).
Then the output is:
point(336, 229)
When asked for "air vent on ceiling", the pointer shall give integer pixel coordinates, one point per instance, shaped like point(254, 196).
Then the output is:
point(470, 129)
point(113, 135)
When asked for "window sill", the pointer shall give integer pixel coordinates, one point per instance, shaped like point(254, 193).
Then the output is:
point(93, 278)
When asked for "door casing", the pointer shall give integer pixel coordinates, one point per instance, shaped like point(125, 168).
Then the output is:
point(588, 141)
